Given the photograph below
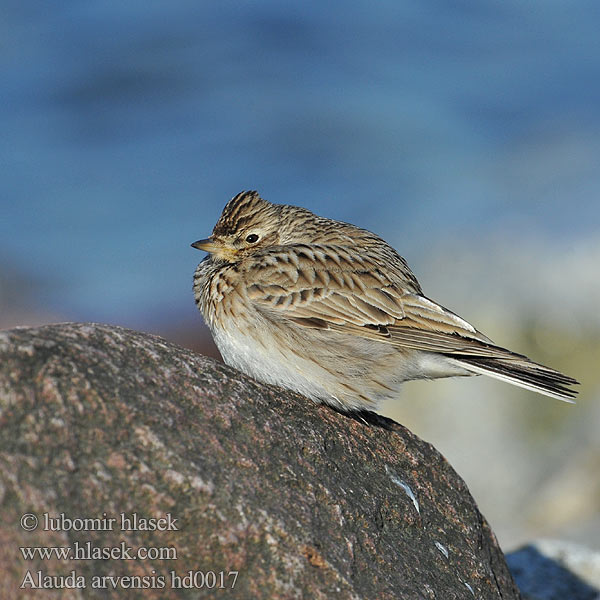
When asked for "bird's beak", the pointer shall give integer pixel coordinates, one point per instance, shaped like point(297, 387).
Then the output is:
point(208, 245)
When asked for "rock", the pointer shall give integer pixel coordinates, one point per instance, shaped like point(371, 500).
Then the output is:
point(555, 570)
point(114, 439)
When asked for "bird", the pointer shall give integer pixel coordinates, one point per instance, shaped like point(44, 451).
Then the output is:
point(333, 312)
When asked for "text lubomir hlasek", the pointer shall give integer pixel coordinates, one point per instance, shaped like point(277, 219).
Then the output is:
point(122, 522)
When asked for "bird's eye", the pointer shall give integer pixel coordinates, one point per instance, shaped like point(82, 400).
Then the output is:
point(251, 238)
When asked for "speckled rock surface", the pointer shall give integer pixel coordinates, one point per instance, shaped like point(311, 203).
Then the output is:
point(302, 502)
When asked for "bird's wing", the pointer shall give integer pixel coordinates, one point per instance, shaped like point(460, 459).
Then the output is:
point(330, 287)
point(336, 289)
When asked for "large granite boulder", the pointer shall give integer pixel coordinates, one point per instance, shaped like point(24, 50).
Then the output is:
point(114, 441)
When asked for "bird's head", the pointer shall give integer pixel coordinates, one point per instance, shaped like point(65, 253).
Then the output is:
point(248, 223)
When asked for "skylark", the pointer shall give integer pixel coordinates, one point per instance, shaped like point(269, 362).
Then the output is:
point(332, 311)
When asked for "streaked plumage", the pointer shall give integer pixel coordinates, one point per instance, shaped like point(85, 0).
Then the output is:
point(334, 312)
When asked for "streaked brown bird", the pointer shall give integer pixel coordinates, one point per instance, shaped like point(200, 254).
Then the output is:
point(332, 311)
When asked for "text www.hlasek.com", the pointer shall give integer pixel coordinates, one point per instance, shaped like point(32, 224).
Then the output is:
point(87, 551)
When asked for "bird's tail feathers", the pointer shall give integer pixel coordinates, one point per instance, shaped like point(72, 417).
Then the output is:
point(522, 372)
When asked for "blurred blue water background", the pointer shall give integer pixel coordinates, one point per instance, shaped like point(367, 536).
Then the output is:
point(465, 133)
point(126, 127)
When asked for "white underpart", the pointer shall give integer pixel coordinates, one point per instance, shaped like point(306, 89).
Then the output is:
point(301, 364)
point(268, 362)
point(434, 366)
